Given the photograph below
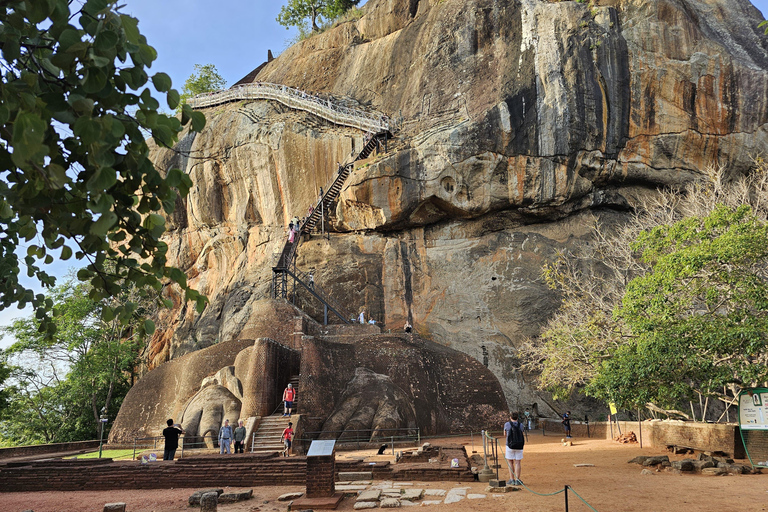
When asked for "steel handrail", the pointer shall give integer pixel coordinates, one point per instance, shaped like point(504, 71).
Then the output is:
point(299, 100)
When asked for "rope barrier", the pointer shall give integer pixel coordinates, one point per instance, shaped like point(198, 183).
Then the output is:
point(582, 500)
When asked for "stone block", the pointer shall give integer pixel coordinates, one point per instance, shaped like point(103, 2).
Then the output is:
point(290, 496)
point(502, 490)
point(646, 472)
point(355, 475)
point(497, 483)
point(234, 497)
point(194, 499)
point(475, 496)
point(714, 471)
point(362, 505)
point(390, 503)
point(114, 507)
point(453, 498)
point(407, 503)
point(431, 502)
point(412, 494)
point(371, 495)
point(638, 460)
point(209, 502)
point(434, 492)
point(350, 488)
point(683, 465)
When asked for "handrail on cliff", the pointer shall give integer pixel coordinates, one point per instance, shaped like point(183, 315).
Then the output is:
point(299, 100)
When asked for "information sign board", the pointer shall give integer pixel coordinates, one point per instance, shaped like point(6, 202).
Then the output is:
point(753, 409)
point(321, 447)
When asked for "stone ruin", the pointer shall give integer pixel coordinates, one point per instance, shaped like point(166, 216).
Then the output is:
point(377, 382)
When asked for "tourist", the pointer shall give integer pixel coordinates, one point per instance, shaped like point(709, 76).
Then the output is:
point(289, 396)
point(312, 279)
point(372, 321)
point(361, 318)
point(291, 232)
point(288, 439)
point(171, 435)
point(408, 327)
point(567, 424)
point(528, 420)
point(239, 437)
point(225, 438)
point(513, 433)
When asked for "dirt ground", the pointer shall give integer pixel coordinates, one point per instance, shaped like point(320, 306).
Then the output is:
point(611, 485)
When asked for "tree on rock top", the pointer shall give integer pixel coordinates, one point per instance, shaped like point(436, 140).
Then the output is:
point(76, 104)
point(205, 78)
point(297, 12)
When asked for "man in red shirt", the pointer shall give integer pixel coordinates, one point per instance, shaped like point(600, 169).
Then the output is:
point(289, 395)
point(288, 438)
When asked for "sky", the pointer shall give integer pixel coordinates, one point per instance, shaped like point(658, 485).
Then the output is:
point(233, 35)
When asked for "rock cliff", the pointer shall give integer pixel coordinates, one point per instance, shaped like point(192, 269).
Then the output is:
point(521, 122)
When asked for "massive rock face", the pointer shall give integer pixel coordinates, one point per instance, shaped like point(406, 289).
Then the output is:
point(522, 122)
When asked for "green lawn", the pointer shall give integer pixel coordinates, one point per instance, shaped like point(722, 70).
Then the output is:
point(106, 454)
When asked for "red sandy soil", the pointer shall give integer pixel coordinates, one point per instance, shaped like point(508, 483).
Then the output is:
point(611, 485)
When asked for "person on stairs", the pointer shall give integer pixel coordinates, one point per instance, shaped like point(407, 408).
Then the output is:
point(289, 396)
point(288, 439)
point(361, 318)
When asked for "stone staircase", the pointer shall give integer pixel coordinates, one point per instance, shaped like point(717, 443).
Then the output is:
point(268, 437)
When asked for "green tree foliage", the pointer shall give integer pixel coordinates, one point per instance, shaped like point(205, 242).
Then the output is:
point(699, 317)
point(63, 381)
point(205, 78)
point(665, 304)
point(297, 12)
point(76, 103)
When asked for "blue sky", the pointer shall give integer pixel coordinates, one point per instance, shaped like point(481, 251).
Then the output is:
point(233, 35)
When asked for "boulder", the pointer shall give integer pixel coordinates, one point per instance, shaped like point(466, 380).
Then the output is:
point(703, 464)
point(684, 465)
point(209, 502)
point(114, 507)
point(194, 499)
point(655, 460)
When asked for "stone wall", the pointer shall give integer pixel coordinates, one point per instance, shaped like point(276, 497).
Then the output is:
point(42, 449)
point(705, 437)
point(269, 368)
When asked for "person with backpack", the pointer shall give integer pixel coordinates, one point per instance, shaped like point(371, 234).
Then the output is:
point(513, 431)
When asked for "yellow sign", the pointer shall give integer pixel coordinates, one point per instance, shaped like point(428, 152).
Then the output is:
point(612, 406)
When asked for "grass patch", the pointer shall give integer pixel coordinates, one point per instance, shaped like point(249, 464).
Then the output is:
point(106, 454)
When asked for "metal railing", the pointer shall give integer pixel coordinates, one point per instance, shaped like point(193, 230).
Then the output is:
point(364, 438)
point(185, 442)
point(298, 100)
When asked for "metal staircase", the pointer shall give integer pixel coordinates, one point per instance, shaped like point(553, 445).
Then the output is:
point(286, 263)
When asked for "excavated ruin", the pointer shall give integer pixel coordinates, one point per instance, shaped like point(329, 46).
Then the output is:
point(515, 126)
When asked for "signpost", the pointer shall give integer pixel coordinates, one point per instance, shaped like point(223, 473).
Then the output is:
point(753, 424)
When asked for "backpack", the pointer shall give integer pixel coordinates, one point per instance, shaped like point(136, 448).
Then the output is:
point(515, 437)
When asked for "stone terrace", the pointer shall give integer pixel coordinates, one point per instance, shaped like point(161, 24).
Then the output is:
point(239, 471)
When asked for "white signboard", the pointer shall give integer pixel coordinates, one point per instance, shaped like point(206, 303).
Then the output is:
point(753, 410)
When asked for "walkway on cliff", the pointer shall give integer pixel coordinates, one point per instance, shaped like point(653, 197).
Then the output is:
point(286, 266)
point(299, 100)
